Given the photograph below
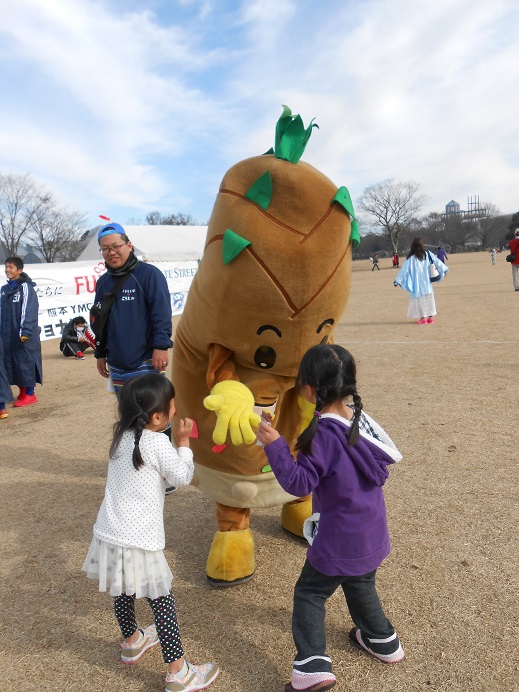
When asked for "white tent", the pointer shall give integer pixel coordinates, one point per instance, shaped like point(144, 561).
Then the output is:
point(158, 243)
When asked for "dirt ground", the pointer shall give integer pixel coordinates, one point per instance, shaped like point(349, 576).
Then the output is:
point(446, 393)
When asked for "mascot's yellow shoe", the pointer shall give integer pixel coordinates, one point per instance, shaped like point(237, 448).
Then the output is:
point(293, 515)
point(231, 558)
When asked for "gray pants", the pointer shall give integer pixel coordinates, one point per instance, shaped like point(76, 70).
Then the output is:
point(70, 348)
point(311, 592)
point(515, 268)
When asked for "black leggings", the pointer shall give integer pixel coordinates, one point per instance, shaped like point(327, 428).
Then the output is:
point(165, 615)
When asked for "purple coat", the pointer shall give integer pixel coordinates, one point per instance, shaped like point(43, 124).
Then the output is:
point(346, 483)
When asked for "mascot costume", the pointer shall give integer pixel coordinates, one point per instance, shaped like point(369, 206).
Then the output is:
point(274, 280)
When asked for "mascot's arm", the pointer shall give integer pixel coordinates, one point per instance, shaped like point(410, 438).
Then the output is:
point(221, 365)
point(233, 404)
point(231, 400)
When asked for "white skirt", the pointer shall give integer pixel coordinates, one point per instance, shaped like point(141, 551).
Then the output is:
point(145, 573)
point(424, 306)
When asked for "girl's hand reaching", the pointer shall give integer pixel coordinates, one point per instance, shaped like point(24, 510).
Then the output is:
point(184, 428)
point(266, 433)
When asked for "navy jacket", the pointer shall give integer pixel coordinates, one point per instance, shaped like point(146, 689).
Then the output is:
point(5, 390)
point(140, 318)
point(19, 317)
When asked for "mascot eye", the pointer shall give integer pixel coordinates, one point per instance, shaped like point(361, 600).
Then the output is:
point(265, 357)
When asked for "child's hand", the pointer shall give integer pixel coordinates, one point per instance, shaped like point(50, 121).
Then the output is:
point(184, 428)
point(266, 433)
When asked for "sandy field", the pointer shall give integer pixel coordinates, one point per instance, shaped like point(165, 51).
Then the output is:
point(446, 393)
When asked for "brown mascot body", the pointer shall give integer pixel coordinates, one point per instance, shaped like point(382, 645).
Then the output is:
point(274, 281)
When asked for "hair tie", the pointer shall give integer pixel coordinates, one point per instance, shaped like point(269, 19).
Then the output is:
point(317, 414)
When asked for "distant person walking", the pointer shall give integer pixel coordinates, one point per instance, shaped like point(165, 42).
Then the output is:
point(493, 255)
point(514, 250)
point(396, 260)
point(375, 263)
point(20, 332)
point(414, 277)
point(441, 254)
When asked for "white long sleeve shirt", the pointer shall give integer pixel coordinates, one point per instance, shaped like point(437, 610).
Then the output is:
point(132, 512)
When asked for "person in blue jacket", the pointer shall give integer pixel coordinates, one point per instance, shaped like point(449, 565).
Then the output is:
point(138, 328)
point(20, 331)
point(415, 278)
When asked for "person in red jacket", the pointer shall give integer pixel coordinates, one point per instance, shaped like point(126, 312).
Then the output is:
point(514, 249)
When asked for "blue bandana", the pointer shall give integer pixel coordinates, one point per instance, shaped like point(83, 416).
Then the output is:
point(109, 229)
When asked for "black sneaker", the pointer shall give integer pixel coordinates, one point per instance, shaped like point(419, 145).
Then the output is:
point(382, 649)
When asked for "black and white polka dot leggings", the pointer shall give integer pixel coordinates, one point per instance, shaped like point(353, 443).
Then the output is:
point(165, 615)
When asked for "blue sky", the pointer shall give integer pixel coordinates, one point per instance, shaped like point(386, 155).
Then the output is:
point(121, 107)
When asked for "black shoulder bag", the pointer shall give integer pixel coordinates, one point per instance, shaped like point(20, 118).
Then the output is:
point(100, 312)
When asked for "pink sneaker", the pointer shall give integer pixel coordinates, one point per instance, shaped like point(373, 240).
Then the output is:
point(131, 653)
point(430, 320)
point(26, 400)
point(198, 677)
point(310, 682)
point(422, 321)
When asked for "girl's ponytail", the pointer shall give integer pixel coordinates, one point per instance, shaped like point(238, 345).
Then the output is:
point(354, 430)
point(138, 426)
point(304, 441)
point(330, 370)
point(140, 398)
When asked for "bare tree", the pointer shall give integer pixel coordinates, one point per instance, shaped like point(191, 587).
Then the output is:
point(457, 232)
point(71, 251)
point(20, 199)
point(155, 218)
point(56, 232)
point(392, 205)
point(490, 228)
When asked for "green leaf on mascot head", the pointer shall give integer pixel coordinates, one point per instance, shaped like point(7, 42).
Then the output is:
point(343, 197)
point(233, 244)
point(355, 235)
point(261, 191)
point(291, 136)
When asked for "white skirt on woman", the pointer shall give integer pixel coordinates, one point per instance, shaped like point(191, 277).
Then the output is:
point(424, 306)
point(119, 570)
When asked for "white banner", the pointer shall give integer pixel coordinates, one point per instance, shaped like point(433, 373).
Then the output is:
point(67, 289)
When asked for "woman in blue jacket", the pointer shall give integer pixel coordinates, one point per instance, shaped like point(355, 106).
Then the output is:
point(415, 278)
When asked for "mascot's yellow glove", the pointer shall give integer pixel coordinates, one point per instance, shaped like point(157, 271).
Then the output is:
point(233, 404)
point(307, 411)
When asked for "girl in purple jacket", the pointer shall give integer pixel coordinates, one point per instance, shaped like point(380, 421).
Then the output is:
point(342, 460)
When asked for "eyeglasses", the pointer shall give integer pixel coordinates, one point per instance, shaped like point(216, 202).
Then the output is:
point(114, 248)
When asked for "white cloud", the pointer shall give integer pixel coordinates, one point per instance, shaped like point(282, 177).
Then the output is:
point(119, 107)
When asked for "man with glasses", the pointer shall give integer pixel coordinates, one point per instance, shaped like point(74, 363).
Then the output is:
point(138, 323)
